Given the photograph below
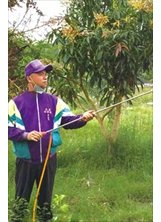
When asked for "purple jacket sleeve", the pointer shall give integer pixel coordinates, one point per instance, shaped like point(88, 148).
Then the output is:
point(16, 134)
point(78, 124)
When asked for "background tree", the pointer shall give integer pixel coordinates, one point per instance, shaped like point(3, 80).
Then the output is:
point(104, 46)
point(22, 46)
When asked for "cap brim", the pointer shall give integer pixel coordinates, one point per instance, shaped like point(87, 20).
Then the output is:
point(47, 68)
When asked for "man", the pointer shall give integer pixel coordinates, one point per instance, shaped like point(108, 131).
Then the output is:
point(32, 113)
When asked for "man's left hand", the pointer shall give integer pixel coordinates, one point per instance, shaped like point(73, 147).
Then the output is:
point(88, 115)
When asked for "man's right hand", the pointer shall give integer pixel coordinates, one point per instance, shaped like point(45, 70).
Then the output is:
point(34, 136)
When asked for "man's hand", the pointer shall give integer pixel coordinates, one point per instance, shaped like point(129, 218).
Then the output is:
point(89, 115)
point(34, 136)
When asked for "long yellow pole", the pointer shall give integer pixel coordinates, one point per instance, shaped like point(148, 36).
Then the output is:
point(40, 182)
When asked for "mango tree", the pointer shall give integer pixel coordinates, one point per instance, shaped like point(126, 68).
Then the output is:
point(104, 46)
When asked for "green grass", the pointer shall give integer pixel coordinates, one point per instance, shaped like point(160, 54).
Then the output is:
point(98, 188)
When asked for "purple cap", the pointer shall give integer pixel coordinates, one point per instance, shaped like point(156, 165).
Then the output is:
point(36, 66)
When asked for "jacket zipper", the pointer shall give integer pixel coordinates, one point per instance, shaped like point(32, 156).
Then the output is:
point(39, 125)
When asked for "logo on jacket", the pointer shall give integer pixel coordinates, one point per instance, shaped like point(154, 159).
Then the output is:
point(48, 112)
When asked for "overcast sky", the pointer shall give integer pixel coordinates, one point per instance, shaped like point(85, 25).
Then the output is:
point(50, 8)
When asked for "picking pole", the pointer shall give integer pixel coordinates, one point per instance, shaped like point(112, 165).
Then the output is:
point(101, 110)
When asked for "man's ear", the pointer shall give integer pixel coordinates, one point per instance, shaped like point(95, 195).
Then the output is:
point(29, 79)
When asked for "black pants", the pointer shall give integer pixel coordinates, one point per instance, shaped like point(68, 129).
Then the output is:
point(27, 174)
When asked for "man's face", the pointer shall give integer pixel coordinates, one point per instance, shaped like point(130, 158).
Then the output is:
point(40, 78)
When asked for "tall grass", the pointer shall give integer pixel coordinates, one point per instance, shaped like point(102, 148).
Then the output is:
point(90, 186)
